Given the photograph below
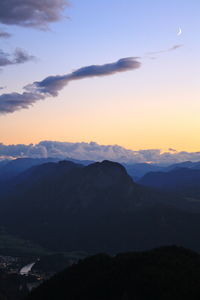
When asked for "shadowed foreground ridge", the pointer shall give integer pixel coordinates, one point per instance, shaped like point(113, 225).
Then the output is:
point(166, 273)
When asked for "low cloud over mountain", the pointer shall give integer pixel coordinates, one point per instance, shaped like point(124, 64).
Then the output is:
point(95, 152)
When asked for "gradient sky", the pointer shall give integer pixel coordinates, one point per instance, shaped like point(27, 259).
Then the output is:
point(155, 106)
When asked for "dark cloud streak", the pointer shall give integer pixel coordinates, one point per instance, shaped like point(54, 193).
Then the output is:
point(31, 13)
point(18, 57)
point(51, 85)
point(15, 101)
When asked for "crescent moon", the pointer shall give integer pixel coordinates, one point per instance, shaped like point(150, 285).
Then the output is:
point(179, 31)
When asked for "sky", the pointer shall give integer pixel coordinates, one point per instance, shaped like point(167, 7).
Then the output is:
point(152, 103)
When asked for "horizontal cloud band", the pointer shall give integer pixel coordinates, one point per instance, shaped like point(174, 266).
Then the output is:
point(51, 85)
point(95, 152)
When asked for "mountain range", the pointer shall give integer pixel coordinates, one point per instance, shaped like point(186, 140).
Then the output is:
point(67, 206)
point(183, 181)
point(12, 168)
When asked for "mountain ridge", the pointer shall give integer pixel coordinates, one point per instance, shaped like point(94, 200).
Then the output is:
point(166, 273)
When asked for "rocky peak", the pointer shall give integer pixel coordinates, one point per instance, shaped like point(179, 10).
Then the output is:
point(106, 173)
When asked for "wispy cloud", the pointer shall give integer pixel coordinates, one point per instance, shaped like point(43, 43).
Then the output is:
point(173, 48)
point(51, 85)
point(18, 57)
point(31, 13)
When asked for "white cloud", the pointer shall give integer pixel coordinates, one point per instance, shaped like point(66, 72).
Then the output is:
point(95, 152)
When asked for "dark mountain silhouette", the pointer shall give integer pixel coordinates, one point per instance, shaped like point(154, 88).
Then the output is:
point(66, 206)
point(185, 181)
point(12, 168)
point(168, 273)
point(185, 164)
point(3, 162)
point(136, 171)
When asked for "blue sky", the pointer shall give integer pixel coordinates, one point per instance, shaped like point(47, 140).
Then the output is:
point(99, 31)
